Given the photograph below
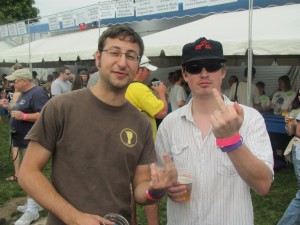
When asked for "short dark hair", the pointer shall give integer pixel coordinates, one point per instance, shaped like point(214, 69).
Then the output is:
point(246, 71)
point(121, 32)
point(174, 76)
point(260, 84)
point(62, 69)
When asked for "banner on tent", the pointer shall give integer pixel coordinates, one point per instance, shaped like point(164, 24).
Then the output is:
point(126, 10)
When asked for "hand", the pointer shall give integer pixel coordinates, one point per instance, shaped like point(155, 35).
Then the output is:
point(161, 89)
point(4, 103)
point(227, 120)
point(17, 115)
point(163, 178)
point(177, 193)
point(85, 218)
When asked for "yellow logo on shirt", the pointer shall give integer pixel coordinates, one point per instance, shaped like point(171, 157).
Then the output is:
point(128, 137)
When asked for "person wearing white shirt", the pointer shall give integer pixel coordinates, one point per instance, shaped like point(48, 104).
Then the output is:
point(224, 145)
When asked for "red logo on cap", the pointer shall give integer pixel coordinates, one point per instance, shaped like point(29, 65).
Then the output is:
point(204, 43)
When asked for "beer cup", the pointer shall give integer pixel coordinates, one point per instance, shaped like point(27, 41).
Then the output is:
point(185, 178)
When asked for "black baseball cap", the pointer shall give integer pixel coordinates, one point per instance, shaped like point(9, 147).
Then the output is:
point(202, 49)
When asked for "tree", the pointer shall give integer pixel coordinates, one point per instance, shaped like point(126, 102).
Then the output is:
point(15, 10)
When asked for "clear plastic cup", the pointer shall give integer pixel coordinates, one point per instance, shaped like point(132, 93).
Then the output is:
point(185, 177)
point(116, 218)
point(155, 83)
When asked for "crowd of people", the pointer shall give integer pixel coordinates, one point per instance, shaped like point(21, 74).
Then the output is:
point(128, 158)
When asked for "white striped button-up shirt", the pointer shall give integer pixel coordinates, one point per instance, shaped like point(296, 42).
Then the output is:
point(219, 195)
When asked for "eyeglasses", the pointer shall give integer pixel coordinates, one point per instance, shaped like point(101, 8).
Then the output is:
point(196, 67)
point(116, 52)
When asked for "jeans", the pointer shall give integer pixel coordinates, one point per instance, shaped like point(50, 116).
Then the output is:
point(292, 213)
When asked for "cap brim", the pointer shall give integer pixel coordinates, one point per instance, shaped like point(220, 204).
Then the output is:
point(151, 67)
point(203, 58)
point(10, 77)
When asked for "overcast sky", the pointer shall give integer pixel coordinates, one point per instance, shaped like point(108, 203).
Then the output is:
point(49, 7)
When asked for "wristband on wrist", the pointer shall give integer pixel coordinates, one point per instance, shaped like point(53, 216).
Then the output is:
point(223, 142)
point(25, 116)
point(233, 147)
point(155, 195)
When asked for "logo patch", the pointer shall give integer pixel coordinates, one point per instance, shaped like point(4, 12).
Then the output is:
point(204, 43)
point(128, 137)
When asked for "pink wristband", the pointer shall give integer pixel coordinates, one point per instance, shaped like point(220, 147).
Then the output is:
point(149, 196)
point(25, 116)
point(228, 141)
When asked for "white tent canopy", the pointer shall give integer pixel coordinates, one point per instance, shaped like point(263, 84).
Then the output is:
point(4, 46)
point(66, 46)
point(275, 31)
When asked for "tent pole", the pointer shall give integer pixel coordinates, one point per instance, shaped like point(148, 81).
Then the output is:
point(29, 50)
point(249, 72)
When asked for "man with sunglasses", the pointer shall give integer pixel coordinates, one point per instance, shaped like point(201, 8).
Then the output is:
point(62, 84)
point(224, 145)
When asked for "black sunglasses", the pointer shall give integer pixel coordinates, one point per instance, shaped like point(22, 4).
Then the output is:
point(196, 67)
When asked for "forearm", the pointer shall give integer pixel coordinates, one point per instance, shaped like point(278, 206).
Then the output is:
point(32, 117)
point(38, 187)
point(252, 170)
point(140, 194)
point(164, 111)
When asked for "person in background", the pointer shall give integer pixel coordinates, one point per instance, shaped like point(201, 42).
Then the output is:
point(283, 97)
point(77, 82)
point(177, 95)
point(35, 80)
point(48, 84)
point(14, 106)
point(241, 92)
point(264, 100)
point(85, 77)
point(233, 79)
point(295, 106)
point(62, 84)
point(14, 149)
point(91, 179)
point(281, 104)
point(153, 106)
point(292, 214)
point(30, 103)
point(225, 146)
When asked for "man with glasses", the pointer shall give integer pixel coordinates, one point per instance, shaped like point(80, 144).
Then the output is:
point(224, 145)
point(24, 114)
point(62, 84)
point(92, 178)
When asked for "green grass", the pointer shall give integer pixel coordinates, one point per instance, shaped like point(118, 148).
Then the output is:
point(267, 210)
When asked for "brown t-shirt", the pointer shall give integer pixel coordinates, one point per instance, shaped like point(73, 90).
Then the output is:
point(95, 148)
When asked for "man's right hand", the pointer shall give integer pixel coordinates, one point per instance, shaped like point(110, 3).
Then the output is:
point(161, 89)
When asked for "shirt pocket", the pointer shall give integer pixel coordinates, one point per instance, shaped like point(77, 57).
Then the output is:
point(225, 166)
point(181, 155)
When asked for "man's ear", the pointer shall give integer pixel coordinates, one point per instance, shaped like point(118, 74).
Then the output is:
point(184, 75)
point(224, 70)
point(98, 59)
